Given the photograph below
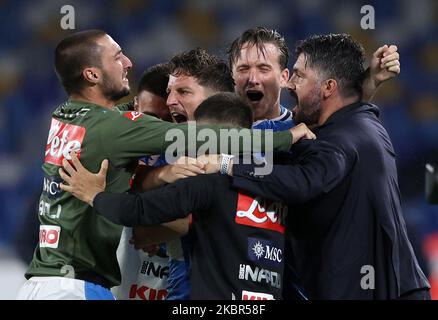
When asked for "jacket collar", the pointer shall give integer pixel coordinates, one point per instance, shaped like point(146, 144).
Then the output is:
point(350, 109)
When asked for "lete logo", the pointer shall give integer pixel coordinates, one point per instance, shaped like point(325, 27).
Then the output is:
point(63, 138)
point(251, 212)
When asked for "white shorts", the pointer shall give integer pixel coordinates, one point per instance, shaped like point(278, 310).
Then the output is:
point(61, 288)
point(143, 277)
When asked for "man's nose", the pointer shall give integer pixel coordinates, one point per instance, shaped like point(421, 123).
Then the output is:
point(171, 100)
point(253, 77)
point(128, 63)
point(290, 85)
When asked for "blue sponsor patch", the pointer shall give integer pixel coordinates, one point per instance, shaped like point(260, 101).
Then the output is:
point(51, 186)
point(265, 252)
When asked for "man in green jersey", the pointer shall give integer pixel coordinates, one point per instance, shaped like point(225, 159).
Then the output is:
point(76, 254)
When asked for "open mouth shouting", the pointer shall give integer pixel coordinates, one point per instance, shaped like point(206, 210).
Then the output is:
point(125, 77)
point(178, 116)
point(254, 96)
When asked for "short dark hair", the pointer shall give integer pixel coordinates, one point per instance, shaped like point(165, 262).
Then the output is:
point(258, 37)
point(336, 56)
point(73, 54)
point(208, 70)
point(155, 79)
point(225, 108)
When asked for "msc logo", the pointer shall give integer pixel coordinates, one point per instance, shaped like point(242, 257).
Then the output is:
point(265, 252)
point(51, 186)
point(259, 213)
point(63, 138)
point(249, 295)
point(49, 236)
point(246, 272)
point(157, 271)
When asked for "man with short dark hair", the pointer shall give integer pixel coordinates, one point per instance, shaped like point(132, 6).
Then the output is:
point(151, 93)
point(258, 60)
point(235, 114)
point(194, 76)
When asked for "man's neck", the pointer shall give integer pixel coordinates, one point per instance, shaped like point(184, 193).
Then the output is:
point(276, 112)
point(333, 106)
point(93, 98)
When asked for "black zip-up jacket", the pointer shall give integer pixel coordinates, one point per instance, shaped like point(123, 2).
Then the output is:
point(349, 238)
point(238, 241)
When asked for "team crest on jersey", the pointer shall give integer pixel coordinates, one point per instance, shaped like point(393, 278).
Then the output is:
point(133, 115)
point(260, 213)
point(63, 138)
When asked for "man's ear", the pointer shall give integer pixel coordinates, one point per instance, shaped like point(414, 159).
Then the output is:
point(328, 87)
point(91, 75)
point(284, 78)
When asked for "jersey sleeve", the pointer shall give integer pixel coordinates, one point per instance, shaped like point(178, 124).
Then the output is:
point(133, 134)
point(322, 166)
point(174, 201)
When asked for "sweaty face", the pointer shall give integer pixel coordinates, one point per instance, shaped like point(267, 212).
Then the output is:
point(153, 105)
point(259, 79)
point(184, 96)
point(115, 67)
point(304, 87)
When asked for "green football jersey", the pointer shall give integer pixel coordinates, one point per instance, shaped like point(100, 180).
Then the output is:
point(73, 241)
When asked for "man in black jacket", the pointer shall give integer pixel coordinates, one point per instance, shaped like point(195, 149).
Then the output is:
point(348, 234)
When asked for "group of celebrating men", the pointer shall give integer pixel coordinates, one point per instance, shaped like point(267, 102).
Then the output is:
point(212, 226)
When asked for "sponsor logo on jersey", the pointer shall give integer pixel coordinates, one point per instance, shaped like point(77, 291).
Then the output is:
point(249, 295)
point(259, 275)
point(145, 293)
point(63, 138)
point(51, 186)
point(49, 236)
point(150, 268)
point(133, 115)
point(265, 252)
point(260, 213)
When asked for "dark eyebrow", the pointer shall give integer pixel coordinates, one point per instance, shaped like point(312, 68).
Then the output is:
point(118, 52)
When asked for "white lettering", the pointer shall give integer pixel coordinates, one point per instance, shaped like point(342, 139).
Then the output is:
point(67, 21)
point(250, 213)
point(260, 275)
point(368, 20)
